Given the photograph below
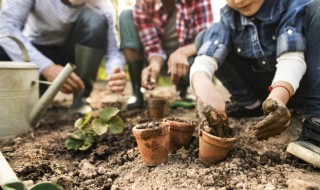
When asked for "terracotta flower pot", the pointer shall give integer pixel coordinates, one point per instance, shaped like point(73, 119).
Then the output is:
point(157, 107)
point(213, 149)
point(153, 142)
point(180, 133)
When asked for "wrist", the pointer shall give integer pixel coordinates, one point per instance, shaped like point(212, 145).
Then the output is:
point(188, 50)
point(280, 92)
point(156, 61)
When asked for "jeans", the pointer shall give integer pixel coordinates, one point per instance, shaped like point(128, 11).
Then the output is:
point(247, 86)
point(89, 30)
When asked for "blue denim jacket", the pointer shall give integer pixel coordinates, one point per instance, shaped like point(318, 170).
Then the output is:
point(275, 29)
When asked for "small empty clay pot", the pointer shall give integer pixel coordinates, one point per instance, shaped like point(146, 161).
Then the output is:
point(213, 149)
point(180, 133)
point(153, 142)
point(157, 107)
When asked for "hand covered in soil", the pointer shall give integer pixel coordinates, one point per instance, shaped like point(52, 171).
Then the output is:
point(211, 121)
point(72, 84)
point(117, 80)
point(277, 120)
point(177, 66)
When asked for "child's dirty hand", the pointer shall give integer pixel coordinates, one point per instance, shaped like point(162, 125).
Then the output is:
point(212, 121)
point(276, 121)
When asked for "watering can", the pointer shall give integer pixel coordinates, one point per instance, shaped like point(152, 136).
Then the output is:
point(20, 106)
point(9, 180)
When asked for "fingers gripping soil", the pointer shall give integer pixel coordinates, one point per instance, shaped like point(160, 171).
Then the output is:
point(211, 121)
point(277, 120)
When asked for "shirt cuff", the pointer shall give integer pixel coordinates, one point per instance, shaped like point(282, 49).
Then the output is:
point(111, 64)
point(162, 55)
point(205, 64)
point(291, 67)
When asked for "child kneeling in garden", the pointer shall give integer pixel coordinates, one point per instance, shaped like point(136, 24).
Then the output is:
point(262, 51)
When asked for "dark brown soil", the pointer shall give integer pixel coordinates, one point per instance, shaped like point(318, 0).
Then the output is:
point(115, 163)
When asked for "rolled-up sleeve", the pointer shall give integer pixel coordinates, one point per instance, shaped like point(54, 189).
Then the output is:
point(216, 41)
point(290, 36)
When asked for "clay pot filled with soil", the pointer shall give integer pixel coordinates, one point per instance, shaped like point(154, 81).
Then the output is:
point(157, 107)
point(180, 133)
point(153, 142)
point(213, 149)
point(215, 137)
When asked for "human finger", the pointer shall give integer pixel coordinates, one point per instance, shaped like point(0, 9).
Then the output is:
point(75, 82)
point(144, 77)
point(268, 120)
point(117, 83)
point(117, 88)
point(270, 133)
point(116, 76)
point(67, 89)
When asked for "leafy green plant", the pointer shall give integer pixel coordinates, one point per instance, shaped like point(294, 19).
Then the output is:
point(87, 132)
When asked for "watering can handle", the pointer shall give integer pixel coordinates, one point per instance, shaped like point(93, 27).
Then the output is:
point(40, 107)
point(24, 51)
point(7, 175)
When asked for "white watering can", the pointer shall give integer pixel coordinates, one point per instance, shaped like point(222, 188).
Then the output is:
point(20, 106)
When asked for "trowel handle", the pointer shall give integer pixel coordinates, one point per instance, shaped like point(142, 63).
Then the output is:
point(6, 172)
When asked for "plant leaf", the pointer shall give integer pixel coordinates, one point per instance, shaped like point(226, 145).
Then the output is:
point(88, 142)
point(99, 127)
point(79, 123)
point(107, 113)
point(78, 135)
point(115, 125)
point(73, 144)
point(88, 117)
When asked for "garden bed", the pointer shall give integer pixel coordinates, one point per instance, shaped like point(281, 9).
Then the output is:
point(115, 163)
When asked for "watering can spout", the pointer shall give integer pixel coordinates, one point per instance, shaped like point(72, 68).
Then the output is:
point(42, 104)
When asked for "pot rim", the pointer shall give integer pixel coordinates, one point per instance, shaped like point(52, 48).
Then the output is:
point(180, 125)
point(226, 141)
point(161, 127)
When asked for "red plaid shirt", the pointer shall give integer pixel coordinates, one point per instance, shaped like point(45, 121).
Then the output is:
point(150, 18)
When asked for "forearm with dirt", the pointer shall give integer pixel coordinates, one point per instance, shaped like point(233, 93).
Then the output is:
point(206, 92)
point(210, 106)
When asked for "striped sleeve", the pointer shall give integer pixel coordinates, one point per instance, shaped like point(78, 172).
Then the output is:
point(13, 16)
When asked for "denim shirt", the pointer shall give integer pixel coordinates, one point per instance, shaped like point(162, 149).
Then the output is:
point(275, 29)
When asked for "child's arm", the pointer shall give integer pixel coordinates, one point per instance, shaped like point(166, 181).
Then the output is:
point(206, 92)
point(290, 69)
point(201, 74)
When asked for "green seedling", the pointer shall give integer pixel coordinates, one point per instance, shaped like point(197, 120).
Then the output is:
point(89, 130)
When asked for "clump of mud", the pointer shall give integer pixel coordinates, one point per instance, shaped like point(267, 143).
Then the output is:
point(213, 122)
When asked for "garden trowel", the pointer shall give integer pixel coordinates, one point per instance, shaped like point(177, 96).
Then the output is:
point(9, 180)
